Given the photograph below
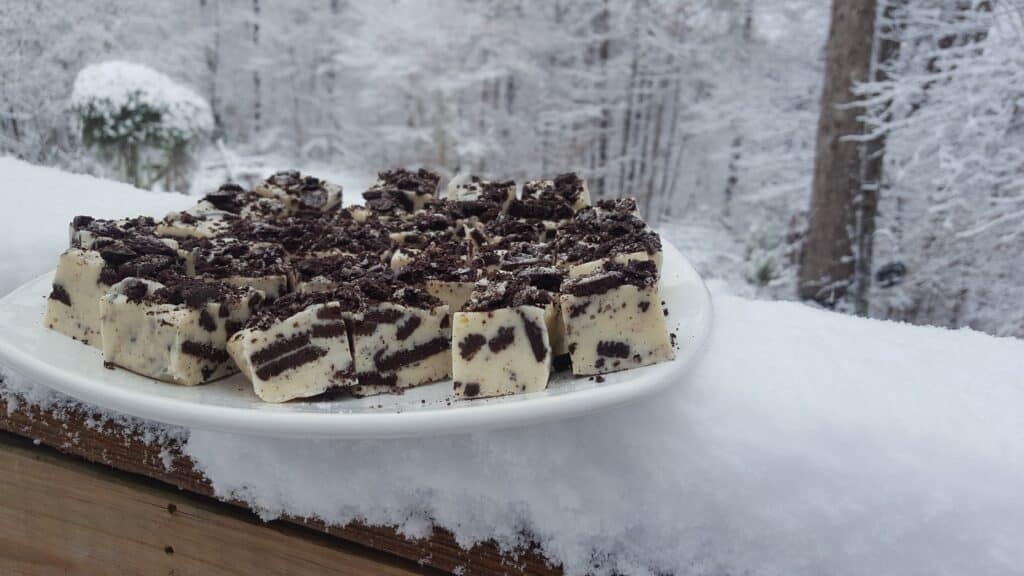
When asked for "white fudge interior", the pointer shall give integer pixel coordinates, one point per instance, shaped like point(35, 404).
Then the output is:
point(170, 342)
point(500, 352)
point(299, 356)
point(396, 347)
point(621, 328)
point(73, 308)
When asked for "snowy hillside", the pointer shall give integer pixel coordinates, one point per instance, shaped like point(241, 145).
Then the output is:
point(804, 442)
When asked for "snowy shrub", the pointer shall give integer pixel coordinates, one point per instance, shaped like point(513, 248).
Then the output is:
point(141, 123)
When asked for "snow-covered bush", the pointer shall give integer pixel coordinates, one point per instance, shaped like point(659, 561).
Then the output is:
point(142, 124)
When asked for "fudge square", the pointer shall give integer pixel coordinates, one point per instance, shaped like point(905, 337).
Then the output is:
point(260, 265)
point(175, 332)
point(500, 340)
point(401, 337)
point(297, 346)
point(613, 318)
point(84, 275)
point(401, 190)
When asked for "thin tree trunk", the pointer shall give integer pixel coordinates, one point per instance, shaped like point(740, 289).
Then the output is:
point(839, 218)
point(256, 104)
point(873, 160)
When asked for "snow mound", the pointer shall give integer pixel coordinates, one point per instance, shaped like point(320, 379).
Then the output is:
point(805, 442)
point(107, 88)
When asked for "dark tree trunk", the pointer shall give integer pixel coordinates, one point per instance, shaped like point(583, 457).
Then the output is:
point(841, 218)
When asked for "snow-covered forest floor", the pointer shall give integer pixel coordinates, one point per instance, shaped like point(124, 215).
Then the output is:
point(804, 442)
point(706, 110)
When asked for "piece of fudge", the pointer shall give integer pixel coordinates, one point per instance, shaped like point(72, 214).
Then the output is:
point(400, 338)
point(298, 346)
point(175, 332)
point(249, 205)
point(401, 191)
point(444, 270)
point(323, 273)
point(301, 193)
point(500, 340)
point(476, 193)
point(568, 188)
point(84, 230)
point(422, 228)
point(610, 232)
point(322, 237)
point(259, 265)
point(83, 276)
point(613, 319)
point(204, 220)
point(510, 229)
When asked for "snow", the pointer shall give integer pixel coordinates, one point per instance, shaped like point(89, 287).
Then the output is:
point(40, 203)
point(115, 85)
point(804, 442)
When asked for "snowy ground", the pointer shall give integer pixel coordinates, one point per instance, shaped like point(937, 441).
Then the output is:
point(805, 442)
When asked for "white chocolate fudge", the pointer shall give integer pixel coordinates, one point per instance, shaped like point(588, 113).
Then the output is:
point(466, 189)
point(258, 265)
point(444, 271)
point(248, 205)
point(500, 341)
point(401, 191)
point(613, 319)
point(84, 276)
point(607, 232)
point(568, 188)
point(301, 193)
point(203, 220)
point(176, 333)
point(84, 230)
point(298, 346)
point(401, 338)
point(322, 273)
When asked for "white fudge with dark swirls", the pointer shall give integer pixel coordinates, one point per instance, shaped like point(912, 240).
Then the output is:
point(500, 342)
point(614, 320)
point(297, 347)
point(176, 333)
point(401, 338)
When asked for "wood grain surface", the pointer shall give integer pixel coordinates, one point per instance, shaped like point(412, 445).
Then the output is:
point(72, 430)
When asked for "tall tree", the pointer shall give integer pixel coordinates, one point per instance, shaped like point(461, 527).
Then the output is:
point(841, 219)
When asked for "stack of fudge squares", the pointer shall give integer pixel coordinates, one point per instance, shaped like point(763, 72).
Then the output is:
point(485, 284)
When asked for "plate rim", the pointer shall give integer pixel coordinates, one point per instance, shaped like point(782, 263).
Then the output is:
point(385, 424)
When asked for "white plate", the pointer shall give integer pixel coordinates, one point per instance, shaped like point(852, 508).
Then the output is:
point(230, 405)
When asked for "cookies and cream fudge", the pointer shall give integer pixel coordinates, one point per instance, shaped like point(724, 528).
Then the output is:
point(401, 191)
point(322, 273)
point(613, 319)
point(401, 337)
point(260, 265)
point(233, 198)
point(83, 276)
point(444, 270)
point(204, 220)
point(500, 340)
point(603, 233)
point(297, 346)
point(84, 230)
point(568, 188)
point(471, 191)
point(175, 332)
point(301, 193)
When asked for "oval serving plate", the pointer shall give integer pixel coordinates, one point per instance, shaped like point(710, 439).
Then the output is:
point(230, 405)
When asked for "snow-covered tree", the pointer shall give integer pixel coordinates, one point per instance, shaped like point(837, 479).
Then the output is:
point(952, 110)
point(143, 122)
